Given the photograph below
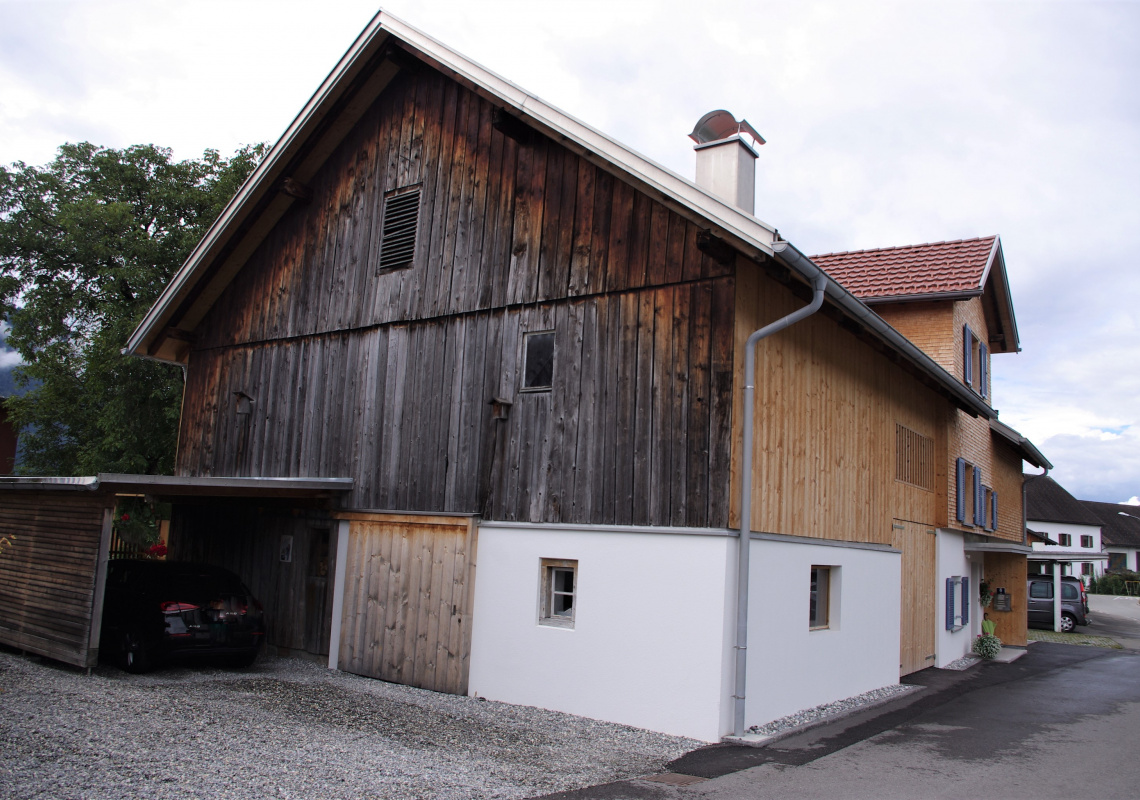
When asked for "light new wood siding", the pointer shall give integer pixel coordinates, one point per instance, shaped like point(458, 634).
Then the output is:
point(409, 587)
point(388, 377)
point(826, 408)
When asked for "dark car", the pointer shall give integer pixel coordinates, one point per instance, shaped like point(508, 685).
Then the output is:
point(156, 611)
point(1074, 602)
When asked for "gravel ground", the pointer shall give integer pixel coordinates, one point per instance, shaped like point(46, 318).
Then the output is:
point(288, 728)
point(830, 710)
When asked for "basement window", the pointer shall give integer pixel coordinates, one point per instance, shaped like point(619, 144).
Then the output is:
point(819, 604)
point(559, 591)
point(538, 371)
point(398, 228)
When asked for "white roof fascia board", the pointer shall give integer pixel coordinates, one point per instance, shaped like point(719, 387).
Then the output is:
point(994, 250)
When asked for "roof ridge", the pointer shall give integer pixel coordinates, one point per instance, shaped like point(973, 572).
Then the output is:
point(906, 246)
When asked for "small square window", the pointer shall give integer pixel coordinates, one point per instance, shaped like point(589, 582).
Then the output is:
point(1086, 568)
point(538, 372)
point(1065, 540)
point(559, 591)
point(819, 606)
point(1086, 541)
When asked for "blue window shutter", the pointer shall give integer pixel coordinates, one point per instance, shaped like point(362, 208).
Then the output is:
point(983, 371)
point(985, 512)
point(949, 604)
point(993, 511)
point(965, 601)
point(960, 487)
point(979, 499)
point(967, 355)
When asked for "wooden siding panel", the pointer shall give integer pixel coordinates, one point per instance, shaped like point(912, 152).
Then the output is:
point(49, 557)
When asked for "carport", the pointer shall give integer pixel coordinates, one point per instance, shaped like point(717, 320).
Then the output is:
point(55, 537)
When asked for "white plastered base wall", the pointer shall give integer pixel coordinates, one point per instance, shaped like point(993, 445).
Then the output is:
point(790, 667)
point(651, 641)
point(953, 561)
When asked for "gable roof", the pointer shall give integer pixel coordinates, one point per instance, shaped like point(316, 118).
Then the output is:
point(1121, 523)
point(956, 270)
point(1047, 501)
point(358, 79)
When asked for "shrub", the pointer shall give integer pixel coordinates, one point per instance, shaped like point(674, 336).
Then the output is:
point(987, 646)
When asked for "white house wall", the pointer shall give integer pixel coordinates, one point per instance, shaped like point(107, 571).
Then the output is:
point(790, 667)
point(1076, 553)
point(953, 561)
point(652, 627)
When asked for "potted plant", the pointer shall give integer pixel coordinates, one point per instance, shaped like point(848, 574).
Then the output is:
point(984, 594)
point(987, 645)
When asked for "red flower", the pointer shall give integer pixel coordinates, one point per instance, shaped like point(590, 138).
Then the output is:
point(125, 518)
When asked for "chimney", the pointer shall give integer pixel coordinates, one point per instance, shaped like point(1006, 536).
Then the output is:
point(726, 163)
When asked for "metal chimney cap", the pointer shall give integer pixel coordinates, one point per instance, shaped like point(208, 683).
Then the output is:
point(720, 124)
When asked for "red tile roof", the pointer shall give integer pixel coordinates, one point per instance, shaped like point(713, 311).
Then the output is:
point(935, 268)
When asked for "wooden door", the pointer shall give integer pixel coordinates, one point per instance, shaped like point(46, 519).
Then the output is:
point(408, 589)
point(917, 542)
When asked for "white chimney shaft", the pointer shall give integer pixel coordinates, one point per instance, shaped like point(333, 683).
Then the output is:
point(726, 163)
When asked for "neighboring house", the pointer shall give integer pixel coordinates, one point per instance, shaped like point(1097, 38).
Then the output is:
point(1120, 534)
point(7, 442)
point(522, 344)
point(952, 299)
point(1073, 530)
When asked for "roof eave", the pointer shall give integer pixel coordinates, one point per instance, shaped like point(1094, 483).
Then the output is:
point(1026, 448)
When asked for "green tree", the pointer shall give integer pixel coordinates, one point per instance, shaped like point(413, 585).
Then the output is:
point(87, 244)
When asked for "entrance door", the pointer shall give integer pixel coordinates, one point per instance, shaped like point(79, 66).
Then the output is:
point(917, 542)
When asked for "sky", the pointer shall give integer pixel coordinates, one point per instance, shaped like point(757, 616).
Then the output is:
point(886, 124)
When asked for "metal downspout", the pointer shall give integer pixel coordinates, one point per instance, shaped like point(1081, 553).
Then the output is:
point(785, 252)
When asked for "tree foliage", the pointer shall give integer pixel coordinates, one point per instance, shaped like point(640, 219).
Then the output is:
point(87, 244)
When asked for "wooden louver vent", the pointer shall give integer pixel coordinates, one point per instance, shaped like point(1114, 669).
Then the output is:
point(401, 218)
point(914, 458)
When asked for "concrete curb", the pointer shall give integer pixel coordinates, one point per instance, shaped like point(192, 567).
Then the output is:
point(758, 740)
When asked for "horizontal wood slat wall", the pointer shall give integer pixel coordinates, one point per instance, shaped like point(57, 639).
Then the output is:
point(409, 587)
point(246, 540)
point(49, 556)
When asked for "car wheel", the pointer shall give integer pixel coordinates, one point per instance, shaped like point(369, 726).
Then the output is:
point(135, 656)
point(1068, 623)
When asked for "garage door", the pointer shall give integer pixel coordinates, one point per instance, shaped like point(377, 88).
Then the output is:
point(408, 588)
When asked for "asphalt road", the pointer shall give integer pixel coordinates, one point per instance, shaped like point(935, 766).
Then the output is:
point(1115, 617)
point(1061, 722)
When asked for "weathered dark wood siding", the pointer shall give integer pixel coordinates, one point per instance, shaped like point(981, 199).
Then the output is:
point(49, 564)
point(387, 377)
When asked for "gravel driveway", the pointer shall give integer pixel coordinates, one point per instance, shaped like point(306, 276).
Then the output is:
point(288, 728)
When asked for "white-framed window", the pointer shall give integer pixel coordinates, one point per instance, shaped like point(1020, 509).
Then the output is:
point(819, 604)
point(1065, 539)
point(1086, 541)
point(559, 587)
point(1086, 568)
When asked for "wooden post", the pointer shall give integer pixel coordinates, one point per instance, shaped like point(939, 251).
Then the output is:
point(342, 532)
